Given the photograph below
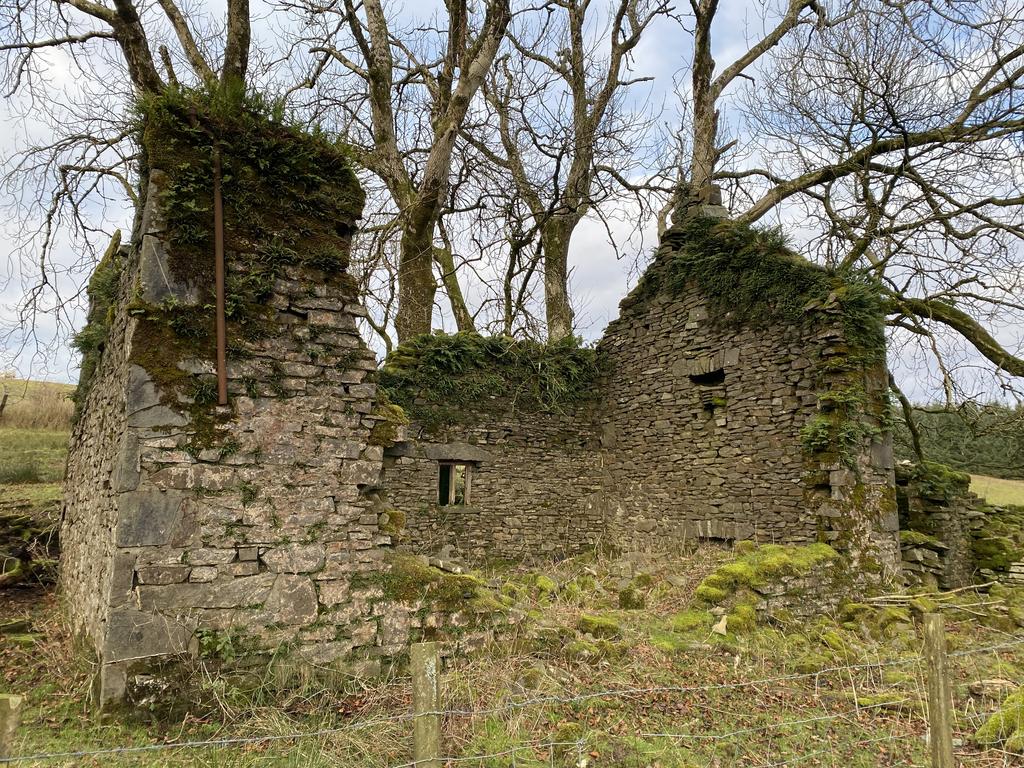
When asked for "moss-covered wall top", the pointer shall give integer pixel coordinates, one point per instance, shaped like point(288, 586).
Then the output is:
point(291, 201)
point(465, 378)
point(750, 275)
point(289, 194)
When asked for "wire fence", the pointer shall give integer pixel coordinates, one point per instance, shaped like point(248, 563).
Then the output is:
point(907, 723)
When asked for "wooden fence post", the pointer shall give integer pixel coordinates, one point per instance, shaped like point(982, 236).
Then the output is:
point(426, 702)
point(10, 717)
point(940, 696)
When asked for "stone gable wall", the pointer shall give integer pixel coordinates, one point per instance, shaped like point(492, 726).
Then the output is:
point(537, 480)
point(704, 424)
point(697, 431)
point(254, 517)
point(722, 459)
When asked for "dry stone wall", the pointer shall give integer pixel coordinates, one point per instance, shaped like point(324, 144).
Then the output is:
point(700, 426)
point(537, 478)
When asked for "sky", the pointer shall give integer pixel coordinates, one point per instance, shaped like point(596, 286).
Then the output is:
point(599, 279)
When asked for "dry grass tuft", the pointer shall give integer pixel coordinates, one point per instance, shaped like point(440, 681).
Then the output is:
point(40, 405)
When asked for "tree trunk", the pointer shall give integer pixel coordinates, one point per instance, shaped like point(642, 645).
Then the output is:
point(705, 117)
point(236, 48)
point(558, 310)
point(416, 284)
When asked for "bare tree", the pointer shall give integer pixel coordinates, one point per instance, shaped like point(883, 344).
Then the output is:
point(897, 134)
point(83, 154)
point(558, 130)
point(413, 89)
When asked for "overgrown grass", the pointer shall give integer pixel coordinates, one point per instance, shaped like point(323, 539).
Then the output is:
point(996, 490)
point(32, 455)
point(701, 711)
point(37, 405)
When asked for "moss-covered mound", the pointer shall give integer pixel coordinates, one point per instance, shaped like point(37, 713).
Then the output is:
point(761, 566)
point(751, 275)
point(733, 585)
point(1005, 727)
point(441, 378)
point(409, 579)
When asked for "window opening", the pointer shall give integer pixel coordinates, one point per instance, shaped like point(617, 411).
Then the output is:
point(710, 379)
point(453, 483)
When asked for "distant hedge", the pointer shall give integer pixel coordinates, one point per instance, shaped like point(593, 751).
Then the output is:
point(986, 440)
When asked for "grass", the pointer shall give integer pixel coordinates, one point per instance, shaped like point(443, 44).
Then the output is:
point(996, 490)
point(858, 717)
point(32, 455)
point(37, 405)
point(34, 430)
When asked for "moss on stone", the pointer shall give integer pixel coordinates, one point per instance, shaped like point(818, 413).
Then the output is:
point(1000, 541)
point(385, 431)
point(762, 566)
point(394, 522)
point(451, 379)
point(1006, 726)
point(910, 538)
point(599, 626)
point(287, 192)
point(544, 586)
point(935, 481)
point(631, 598)
point(751, 275)
point(409, 579)
point(91, 340)
point(712, 595)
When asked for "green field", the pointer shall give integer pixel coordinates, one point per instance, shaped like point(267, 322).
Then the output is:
point(996, 490)
point(34, 429)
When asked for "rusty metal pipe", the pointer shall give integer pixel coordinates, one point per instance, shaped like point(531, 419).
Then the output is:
point(218, 256)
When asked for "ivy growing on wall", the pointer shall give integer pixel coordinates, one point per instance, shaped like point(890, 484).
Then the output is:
point(91, 340)
point(441, 378)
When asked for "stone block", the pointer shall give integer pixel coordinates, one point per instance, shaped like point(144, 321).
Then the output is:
point(236, 593)
point(162, 574)
point(156, 281)
point(134, 634)
point(292, 601)
point(295, 558)
point(148, 517)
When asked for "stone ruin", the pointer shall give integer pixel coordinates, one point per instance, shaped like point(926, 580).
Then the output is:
point(291, 516)
point(699, 423)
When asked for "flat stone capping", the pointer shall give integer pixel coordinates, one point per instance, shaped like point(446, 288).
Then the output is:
point(439, 451)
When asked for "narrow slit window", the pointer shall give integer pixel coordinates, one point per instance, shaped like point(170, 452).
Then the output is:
point(453, 483)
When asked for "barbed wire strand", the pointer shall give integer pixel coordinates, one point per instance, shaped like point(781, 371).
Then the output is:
point(510, 706)
point(772, 726)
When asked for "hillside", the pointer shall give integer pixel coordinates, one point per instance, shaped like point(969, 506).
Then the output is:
point(34, 428)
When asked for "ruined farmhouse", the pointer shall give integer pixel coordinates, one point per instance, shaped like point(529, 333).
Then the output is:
point(741, 394)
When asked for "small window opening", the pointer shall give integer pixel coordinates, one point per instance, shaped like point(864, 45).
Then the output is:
point(453, 483)
point(709, 379)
